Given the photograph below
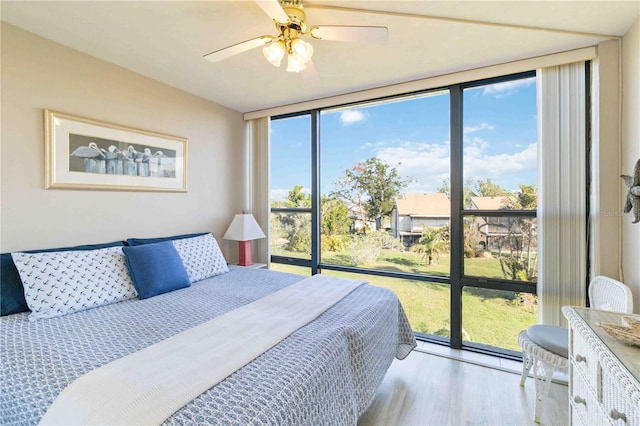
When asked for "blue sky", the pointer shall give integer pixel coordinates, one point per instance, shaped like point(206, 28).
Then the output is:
point(500, 140)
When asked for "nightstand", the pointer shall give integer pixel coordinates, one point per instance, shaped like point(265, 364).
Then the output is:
point(254, 266)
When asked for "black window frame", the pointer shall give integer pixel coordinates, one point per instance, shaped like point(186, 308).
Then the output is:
point(457, 279)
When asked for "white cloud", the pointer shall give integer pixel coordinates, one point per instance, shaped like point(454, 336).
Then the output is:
point(370, 145)
point(351, 116)
point(500, 167)
point(481, 126)
point(475, 147)
point(281, 194)
point(428, 164)
point(507, 88)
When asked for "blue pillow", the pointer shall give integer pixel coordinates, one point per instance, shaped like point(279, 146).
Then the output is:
point(141, 241)
point(155, 268)
point(11, 289)
point(12, 300)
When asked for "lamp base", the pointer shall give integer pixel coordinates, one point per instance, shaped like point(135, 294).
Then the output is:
point(244, 253)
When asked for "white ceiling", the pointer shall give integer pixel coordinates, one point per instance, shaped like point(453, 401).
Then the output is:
point(165, 40)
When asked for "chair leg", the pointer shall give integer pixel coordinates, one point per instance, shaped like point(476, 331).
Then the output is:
point(542, 373)
point(527, 361)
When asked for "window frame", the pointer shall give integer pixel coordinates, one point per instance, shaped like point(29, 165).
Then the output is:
point(457, 279)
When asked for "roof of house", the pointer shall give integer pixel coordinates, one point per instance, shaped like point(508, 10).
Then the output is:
point(491, 203)
point(428, 205)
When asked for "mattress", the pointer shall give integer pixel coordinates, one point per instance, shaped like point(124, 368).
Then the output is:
point(326, 372)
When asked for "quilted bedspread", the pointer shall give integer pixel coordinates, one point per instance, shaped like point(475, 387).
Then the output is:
point(324, 373)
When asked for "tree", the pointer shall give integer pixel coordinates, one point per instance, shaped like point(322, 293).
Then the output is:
point(525, 199)
point(520, 263)
point(352, 192)
point(297, 198)
point(431, 244)
point(472, 238)
point(516, 264)
point(467, 192)
point(335, 219)
point(528, 197)
point(382, 185)
point(486, 188)
point(297, 226)
point(445, 187)
point(372, 187)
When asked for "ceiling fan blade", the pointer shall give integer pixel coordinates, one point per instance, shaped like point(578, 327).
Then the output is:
point(230, 51)
point(273, 9)
point(310, 74)
point(376, 35)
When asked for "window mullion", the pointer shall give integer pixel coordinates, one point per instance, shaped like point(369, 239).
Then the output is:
point(315, 191)
point(456, 196)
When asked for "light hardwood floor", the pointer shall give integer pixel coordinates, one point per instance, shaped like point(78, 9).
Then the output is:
point(427, 389)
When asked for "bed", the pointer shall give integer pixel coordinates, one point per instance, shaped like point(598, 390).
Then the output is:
point(326, 372)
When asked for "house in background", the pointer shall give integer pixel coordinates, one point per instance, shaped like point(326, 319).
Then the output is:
point(493, 227)
point(413, 213)
point(359, 221)
point(491, 203)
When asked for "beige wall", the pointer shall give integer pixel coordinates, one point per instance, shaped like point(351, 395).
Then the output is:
point(616, 148)
point(630, 153)
point(605, 208)
point(39, 74)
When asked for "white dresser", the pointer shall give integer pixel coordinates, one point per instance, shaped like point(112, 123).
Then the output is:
point(604, 374)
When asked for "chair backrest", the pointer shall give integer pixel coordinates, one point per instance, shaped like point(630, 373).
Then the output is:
point(608, 294)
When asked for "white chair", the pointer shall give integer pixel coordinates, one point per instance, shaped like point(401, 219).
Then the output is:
point(546, 346)
point(608, 294)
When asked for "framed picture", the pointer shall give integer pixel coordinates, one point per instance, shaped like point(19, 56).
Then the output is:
point(87, 154)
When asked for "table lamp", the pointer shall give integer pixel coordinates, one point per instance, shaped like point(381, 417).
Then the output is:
point(243, 229)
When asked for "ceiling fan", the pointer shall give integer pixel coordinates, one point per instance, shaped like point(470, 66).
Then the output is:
point(290, 21)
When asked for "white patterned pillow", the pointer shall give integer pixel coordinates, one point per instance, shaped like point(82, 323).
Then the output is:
point(201, 257)
point(59, 283)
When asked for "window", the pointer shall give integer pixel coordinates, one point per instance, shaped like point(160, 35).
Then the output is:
point(431, 195)
point(499, 164)
point(291, 190)
point(381, 167)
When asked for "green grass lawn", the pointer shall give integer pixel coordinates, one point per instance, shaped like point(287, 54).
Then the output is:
point(490, 317)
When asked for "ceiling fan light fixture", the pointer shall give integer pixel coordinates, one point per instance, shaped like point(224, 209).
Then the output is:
point(302, 49)
point(289, 19)
point(295, 63)
point(275, 52)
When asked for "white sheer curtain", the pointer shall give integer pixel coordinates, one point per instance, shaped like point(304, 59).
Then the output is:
point(562, 211)
point(594, 205)
point(259, 186)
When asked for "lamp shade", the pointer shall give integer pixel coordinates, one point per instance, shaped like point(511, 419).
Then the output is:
point(303, 49)
point(275, 52)
point(244, 228)
point(295, 63)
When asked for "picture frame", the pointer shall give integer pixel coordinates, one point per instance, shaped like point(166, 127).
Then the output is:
point(83, 153)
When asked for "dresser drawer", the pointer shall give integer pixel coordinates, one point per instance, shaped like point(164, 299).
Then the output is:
point(617, 400)
point(584, 403)
point(604, 378)
point(585, 360)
